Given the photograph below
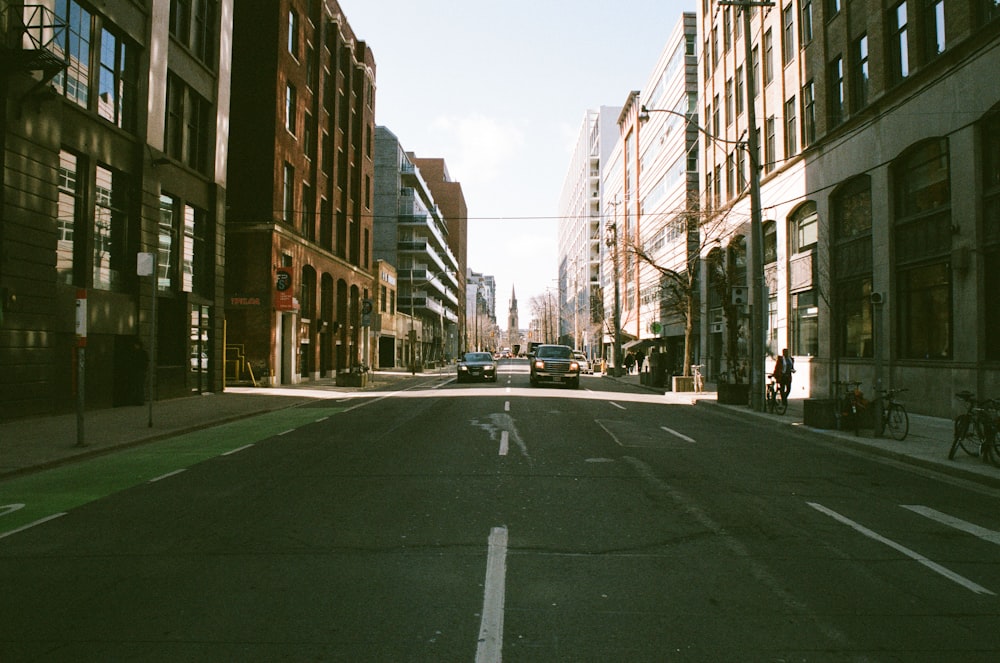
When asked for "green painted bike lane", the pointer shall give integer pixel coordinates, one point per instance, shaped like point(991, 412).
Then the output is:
point(36, 498)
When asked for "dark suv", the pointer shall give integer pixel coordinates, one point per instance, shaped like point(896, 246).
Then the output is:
point(555, 363)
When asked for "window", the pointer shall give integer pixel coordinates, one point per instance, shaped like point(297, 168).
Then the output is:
point(196, 272)
point(806, 24)
point(808, 114)
point(859, 78)
point(791, 126)
point(770, 229)
point(804, 228)
point(193, 24)
point(768, 57)
point(851, 215)
point(922, 243)
point(308, 213)
point(293, 33)
point(169, 230)
point(988, 10)
point(716, 128)
point(835, 94)
point(755, 70)
point(787, 33)
point(189, 125)
point(832, 8)
point(117, 82)
point(729, 101)
point(74, 44)
point(309, 136)
point(291, 104)
point(934, 36)
point(769, 144)
point(110, 226)
point(805, 324)
point(727, 28)
point(68, 226)
point(899, 54)
point(739, 91)
point(288, 197)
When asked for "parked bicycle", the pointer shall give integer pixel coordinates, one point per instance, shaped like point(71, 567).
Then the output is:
point(775, 403)
point(850, 405)
point(976, 429)
point(894, 417)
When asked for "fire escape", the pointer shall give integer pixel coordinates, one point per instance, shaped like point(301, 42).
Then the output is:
point(32, 41)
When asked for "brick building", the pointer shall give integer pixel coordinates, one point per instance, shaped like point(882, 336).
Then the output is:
point(300, 236)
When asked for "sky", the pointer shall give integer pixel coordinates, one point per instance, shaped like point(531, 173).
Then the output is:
point(500, 92)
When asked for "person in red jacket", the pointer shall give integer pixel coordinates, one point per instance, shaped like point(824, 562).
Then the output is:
point(784, 366)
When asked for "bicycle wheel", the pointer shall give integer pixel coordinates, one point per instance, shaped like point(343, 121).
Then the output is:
point(971, 441)
point(962, 422)
point(897, 421)
point(991, 443)
point(780, 405)
point(769, 400)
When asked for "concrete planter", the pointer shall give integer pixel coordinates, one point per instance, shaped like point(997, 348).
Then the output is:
point(733, 394)
point(352, 379)
point(819, 413)
point(683, 383)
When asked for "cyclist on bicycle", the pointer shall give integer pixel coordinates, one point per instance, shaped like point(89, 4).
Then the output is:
point(784, 366)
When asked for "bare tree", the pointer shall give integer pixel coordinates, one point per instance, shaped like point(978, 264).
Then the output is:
point(680, 289)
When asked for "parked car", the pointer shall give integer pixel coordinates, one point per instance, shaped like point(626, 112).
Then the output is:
point(585, 366)
point(555, 364)
point(477, 366)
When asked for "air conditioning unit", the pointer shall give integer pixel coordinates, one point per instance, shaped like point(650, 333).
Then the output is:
point(716, 327)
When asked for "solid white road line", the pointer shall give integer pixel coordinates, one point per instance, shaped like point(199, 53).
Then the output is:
point(620, 407)
point(680, 435)
point(490, 646)
point(933, 566)
point(969, 528)
point(504, 442)
point(30, 525)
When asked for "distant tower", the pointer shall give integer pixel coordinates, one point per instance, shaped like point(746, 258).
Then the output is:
point(513, 333)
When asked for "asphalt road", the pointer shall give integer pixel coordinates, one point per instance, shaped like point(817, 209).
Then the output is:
point(474, 522)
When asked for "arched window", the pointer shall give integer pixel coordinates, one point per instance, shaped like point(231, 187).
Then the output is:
point(922, 249)
point(851, 257)
point(804, 228)
point(770, 242)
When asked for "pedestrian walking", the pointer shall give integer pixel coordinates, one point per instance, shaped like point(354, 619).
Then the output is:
point(629, 362)
point(640, 356)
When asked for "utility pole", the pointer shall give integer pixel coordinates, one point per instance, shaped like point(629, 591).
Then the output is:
point(613, 226)
point(758, 305)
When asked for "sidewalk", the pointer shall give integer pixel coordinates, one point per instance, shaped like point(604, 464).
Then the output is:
point(926, 444)
point(37, 443)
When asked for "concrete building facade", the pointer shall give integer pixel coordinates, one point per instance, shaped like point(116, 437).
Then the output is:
point(581, 233)
point(115, 133)
point(411, 232)
point(879, 186)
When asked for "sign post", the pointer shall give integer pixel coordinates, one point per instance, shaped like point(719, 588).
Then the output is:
point(81, 350)
point(146, 264)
